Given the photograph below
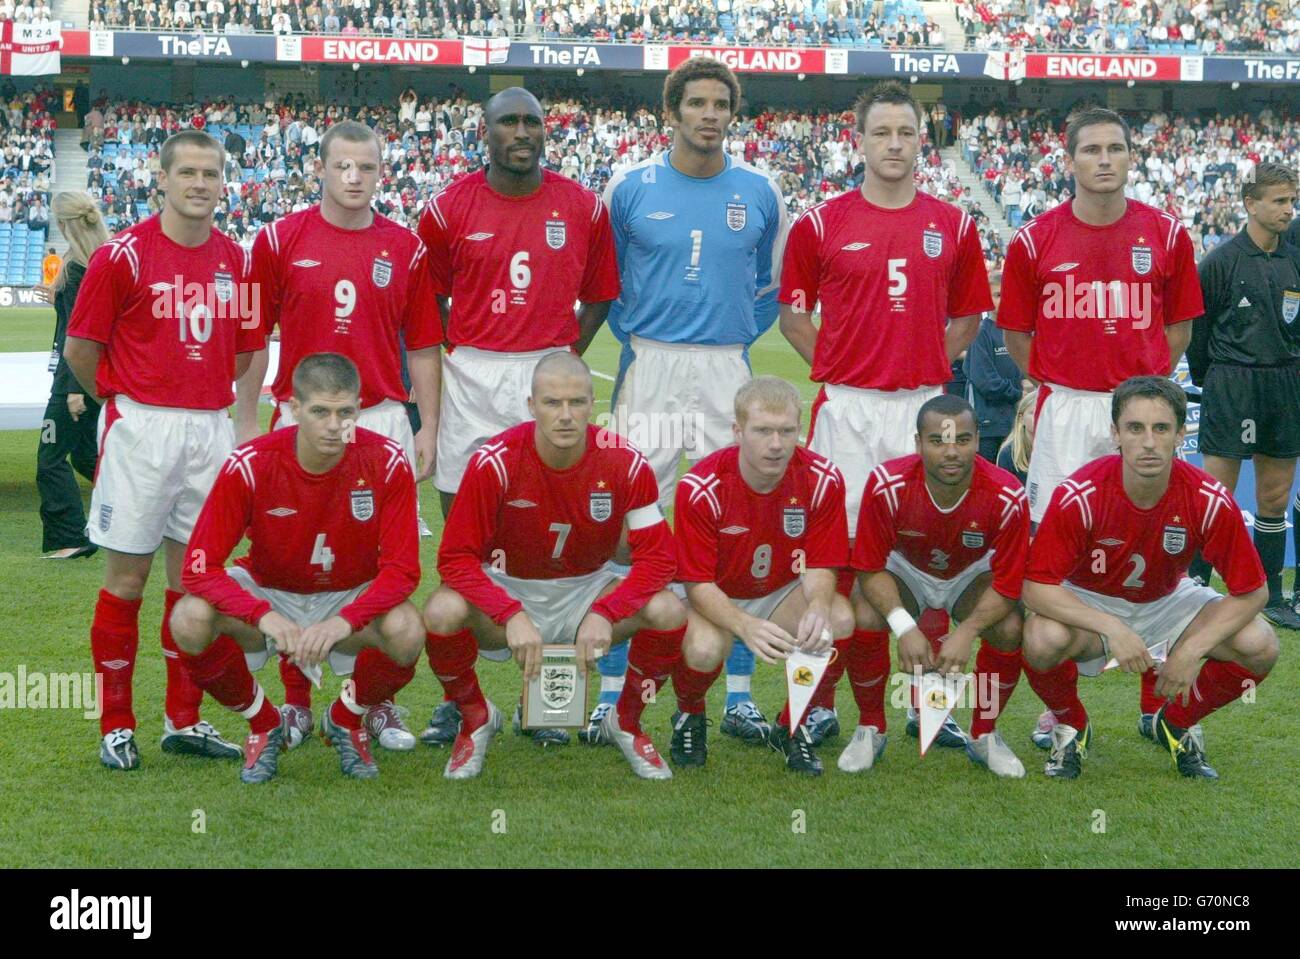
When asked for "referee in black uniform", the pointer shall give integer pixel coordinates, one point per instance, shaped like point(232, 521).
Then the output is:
point(1245, 356)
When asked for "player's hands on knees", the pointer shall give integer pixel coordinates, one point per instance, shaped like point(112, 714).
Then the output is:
point(426, 453)
point(1176, 675)
point(814, 634)
point(281, 631)
point(317, 641)
point(914, 651)
point(1127, 648)
point(526, 643)
point(766, 640)
point(595, 636)
point(954, 654)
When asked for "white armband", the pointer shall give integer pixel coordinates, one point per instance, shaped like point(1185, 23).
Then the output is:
point(900, 621)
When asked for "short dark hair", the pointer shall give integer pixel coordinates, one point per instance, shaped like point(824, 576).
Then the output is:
point(196, 138)
point(945, 404)
point(325, 373)
point(1091, 117)
point(698, 68)
point(1265, 175)
point(353, 132)
point(890, 91)
point(1149, 388)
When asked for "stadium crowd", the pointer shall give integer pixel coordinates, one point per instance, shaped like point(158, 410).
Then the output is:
point(1190, 166)
point(25, 11)
point(1200, 26)
point(429, 143)
point(797, 22)
point(27, 148)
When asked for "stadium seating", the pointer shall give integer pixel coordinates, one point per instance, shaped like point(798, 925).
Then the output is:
point(1198, 27)
point(21, 243)
point(893, 23)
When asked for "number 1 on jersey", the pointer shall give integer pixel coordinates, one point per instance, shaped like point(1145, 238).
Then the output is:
point(697, 240)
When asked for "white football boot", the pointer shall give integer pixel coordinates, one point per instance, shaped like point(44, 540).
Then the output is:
point(470, 749)
point(637, 747)
point(866, 746)
point(991, 752)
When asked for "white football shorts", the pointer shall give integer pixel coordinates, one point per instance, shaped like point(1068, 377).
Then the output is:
point(858, 429)
point(156, 467)
point(931, 592)
point(1072, 429)
point(678, 398)
point(303, 609)
point(556, 606)
point(483, 393)
point(760, 607)
point(1160, 622)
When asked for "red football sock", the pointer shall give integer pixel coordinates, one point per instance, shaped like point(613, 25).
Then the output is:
point(222, 672)
point(651, 659)
point(297, 687)
point(1058, 688)
point(452, 659)
point(114, 638)
point(996, 675)
point(691, 685)
point(182, 698)
point(377, 678)
point(935, 623)
point(1150, 701)
point(824, 695)
point(1217, 684)
point(868, 666)
point(345, 717)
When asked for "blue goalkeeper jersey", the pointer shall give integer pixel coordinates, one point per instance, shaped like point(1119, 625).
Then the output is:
point(699, 258)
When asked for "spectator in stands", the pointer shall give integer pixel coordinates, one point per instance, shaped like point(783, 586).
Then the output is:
point(72, 415)
point(38, 217)
point(1016, 448)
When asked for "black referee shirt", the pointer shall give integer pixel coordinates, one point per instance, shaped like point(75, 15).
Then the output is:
point(1252, 307)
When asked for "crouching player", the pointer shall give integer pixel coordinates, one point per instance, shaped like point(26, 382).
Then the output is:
point(761, 532)
point(334, 558)
point(943, 529)
point(526, 559)
point(1107, 580)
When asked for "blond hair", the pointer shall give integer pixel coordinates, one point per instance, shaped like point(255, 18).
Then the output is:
point(82, 225)
point(771, 393)
point(1019, 440)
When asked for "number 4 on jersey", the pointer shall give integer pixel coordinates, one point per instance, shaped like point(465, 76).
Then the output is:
point(322, 555)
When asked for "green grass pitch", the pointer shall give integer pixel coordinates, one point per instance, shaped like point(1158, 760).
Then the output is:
point(578, 806)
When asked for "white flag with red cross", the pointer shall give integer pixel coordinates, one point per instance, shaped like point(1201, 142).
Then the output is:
point(30, 49)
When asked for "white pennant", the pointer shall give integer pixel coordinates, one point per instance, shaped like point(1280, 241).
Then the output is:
point(803, 673)
point(937, 695)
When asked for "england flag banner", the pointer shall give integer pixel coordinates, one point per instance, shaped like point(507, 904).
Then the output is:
point(29, 49)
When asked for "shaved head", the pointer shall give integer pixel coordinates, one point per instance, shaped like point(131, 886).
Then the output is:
point(561, 363)
point(511, 100)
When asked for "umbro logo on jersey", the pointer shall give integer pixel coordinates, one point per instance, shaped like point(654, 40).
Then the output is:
point(281, 511)
point(1064, 268)
point(1244, 302)
point(854, 247)
point(659, 215)
point(306, 262)
point(909, 532)
point(480, 236)
point(735, 530)
point(160, 287)
point(1110, 542)
point(521, 503)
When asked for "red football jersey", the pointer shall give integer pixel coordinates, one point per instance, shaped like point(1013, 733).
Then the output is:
point(171, 318)
point(1098, 298)
point(310, 533)
point(345, 291)
point(750, 544)
point(887, 280)
point(533, 522)
point(1095, 537)
point(899, 514)
point(514, 266)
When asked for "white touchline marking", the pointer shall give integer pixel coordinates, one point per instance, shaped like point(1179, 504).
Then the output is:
point(603, 376)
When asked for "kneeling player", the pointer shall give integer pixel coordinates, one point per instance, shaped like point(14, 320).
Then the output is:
point(526, 559)
point(943, 529)
point(333, 561)
point(1107, 580)
point(761, 531)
